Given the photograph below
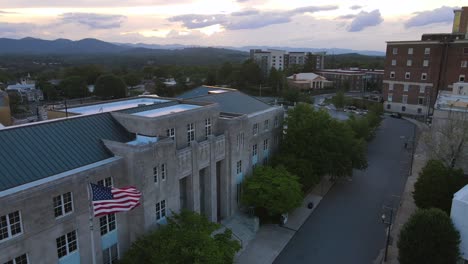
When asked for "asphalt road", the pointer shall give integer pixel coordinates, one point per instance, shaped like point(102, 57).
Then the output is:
point(346, 226)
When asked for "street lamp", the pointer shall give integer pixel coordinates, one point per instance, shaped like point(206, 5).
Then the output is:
point(389, 224)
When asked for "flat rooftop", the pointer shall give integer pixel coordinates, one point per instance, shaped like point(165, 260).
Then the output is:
point(114, 106)
point(167, 110)
point(446, 100)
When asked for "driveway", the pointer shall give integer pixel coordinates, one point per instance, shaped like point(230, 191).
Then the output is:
point(346, 226)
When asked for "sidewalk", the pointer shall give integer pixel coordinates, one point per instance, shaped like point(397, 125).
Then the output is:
point(407, 205)
point(271, 239)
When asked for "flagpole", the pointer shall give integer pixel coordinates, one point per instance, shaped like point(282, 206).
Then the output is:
point(91, 226)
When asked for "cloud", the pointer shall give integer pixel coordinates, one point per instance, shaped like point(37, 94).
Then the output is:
point(86, 3)
point(364, 20)
point(355, 7)
point(247, 19)
point(193, 21)
point(94, 21)
point(350, 16)
point(443, 14)
point(245, 12)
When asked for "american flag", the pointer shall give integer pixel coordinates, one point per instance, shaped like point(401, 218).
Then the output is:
point(108, 200)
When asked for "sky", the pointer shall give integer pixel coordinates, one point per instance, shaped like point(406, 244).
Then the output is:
point(353, 24)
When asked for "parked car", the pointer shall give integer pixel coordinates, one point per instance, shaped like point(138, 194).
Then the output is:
point(396, 115)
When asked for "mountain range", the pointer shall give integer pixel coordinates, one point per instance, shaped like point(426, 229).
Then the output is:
point(94, 46)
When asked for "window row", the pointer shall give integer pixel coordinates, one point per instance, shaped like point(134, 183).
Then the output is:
point(409, 62)
point(404, 99)
point(427, 51)
point(266, 125)
point(408, 75)
point(406, 87)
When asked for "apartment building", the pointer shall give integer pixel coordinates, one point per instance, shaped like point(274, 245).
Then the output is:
point(348, 79)
point(416, 70)
point(281, 59)
point(192, 153)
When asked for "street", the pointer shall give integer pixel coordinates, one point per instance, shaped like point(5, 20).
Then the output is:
point(346, 226)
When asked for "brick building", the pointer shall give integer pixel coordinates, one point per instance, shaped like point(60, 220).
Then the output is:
point(416, 70)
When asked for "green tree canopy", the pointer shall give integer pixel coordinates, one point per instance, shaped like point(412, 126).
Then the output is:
point(110, 86)
point(339, 100)
point(436, 185)
point(187, 238)
point(89, 73)
point(273, 189)
point(429, 237)
point(132, 79)
point(329, 145)
point(74, 87)
point(310, 64)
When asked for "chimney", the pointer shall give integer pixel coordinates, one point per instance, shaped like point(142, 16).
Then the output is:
point(460, 20)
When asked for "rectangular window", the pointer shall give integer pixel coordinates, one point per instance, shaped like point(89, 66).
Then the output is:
point(407, 75)
point(255, 129)
point(420, 100)
point(427, 51)
point(395, 51)
point(410, 51)
point(110, 255)
point(276, 121)
point(170, 133)
point(240, 141)
point(239, 192)
point(393, 62)
point(425, 63)
point(155, 174)
point(461, 78)
point(422, 89)
point(392, 75)
point(190, 133)
point(464, 64)
point(276, 140)
point(106, 182)
point(409, 62)
point(405, 87)
point(163, 171)
point(239, 167)
point(465, 50)
point(207, 127)
point(63, 204)
point(10, 225)
point(265, 145)
point(266, 124)
point(390, 86)
point(390, 97)
point(423, 76)
point(254, 150)
point(23, 259)
point(66, 244)
point(160, 210)
point(405, 99)
point(107, 223)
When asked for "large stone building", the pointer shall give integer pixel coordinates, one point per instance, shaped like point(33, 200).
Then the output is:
point(190, 154)
point(281, 59)
point(416, 70)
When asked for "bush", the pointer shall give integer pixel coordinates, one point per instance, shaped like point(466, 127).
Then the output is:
point(436, 185)
point(429, 237)
point(110, 86)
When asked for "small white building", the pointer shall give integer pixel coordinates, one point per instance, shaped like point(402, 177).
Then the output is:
point(308, 81)
point(459, 215)
point(27, 91)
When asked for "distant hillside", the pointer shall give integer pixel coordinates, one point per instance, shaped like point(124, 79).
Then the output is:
point(58, 46)
point(354, 60)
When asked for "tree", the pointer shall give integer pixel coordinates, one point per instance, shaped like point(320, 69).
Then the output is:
point(310, 64)
point(110, 86)
point(250, 73)
point(339, 100)
point(74, 87)
point(328, 145)
point(429, 236)
point(273, 189)
point(447, 139)
point(89, 73)
point(436, 185)
point(187, 238)
point(274, 79)
point(132, 79)
point(225, 73)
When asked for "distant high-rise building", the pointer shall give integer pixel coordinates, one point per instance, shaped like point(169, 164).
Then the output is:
point(281, 59)
point(416, 70)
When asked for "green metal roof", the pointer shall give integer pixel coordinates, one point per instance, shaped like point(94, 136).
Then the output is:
point(36, 151)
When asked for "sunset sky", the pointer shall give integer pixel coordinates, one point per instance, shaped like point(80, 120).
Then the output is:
point(355, 24)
